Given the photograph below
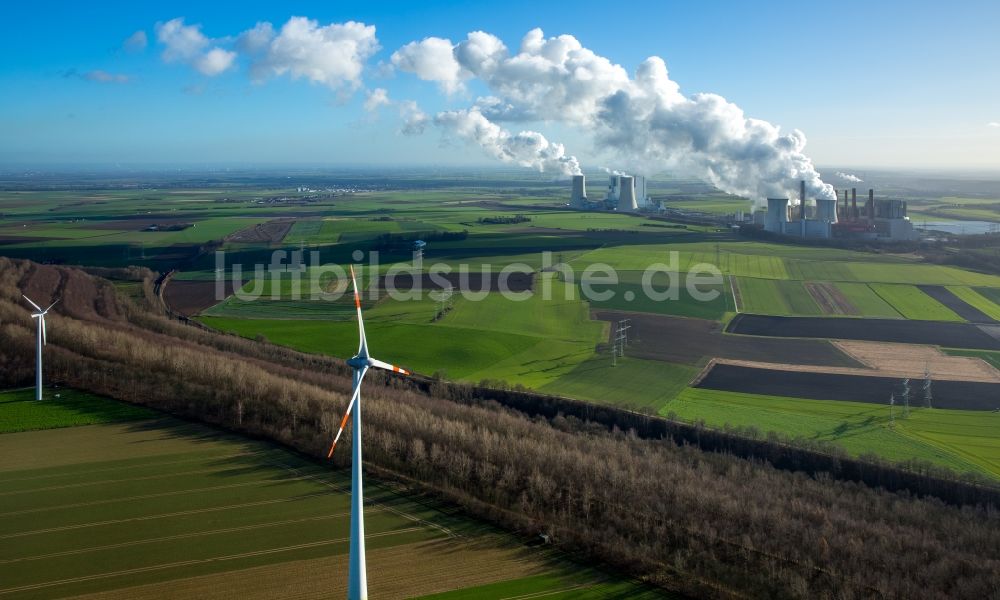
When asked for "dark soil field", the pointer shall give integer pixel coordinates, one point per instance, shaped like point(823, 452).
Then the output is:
point(191, 297)
point(960, 307)
point(964, 395)
point(949, 335)
point(690, 341)
point(474, 281)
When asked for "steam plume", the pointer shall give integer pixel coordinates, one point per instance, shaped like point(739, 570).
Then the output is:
point(643, 120)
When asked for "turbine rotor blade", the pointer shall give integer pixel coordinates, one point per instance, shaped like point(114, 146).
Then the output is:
point(51, 305)
point(384, 365)
point(347, 413)
point(363, 343)
point(32, 303)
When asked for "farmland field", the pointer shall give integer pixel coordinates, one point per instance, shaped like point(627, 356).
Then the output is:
point(979, 300)
point(776, 297)
point(960, 440)
point(19, 411)
point(913, 303)
point(160, 508)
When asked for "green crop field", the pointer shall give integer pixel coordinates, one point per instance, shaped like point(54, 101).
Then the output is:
point(776, 297)
point(19, 411)
point(957, 439)
point(160, 508)
point(868, 303)
point(632, 383)
point(531, 342)
point(913, 303)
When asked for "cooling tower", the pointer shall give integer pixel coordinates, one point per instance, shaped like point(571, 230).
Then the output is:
point(826, 210)
point(777, 214)
point(626, 197)
point(579, 196)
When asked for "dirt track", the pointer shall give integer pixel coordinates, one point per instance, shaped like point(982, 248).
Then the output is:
point(932, 333)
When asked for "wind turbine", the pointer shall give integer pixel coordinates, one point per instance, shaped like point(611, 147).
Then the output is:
point(42, 340)
point(357, 584)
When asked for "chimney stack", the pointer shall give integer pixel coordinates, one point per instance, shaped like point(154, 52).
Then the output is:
point(854, 204)
point(871, 204)
point(802, 199)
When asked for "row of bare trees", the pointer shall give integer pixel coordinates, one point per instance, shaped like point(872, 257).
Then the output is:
point(707, 524)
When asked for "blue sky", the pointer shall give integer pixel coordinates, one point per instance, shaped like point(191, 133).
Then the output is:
point(870, 84)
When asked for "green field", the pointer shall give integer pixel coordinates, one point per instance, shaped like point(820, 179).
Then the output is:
point(774, 297)
point(957, 439)
point(912, 303)
point(19, 411)
point(629, 295)
point(868, 303)
point(631, 383)
point(160, 508)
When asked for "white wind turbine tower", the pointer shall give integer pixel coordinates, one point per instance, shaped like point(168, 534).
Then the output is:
point(357, 584)
point(41, 341)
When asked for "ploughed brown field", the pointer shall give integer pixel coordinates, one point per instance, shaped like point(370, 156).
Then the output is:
point(830, 299)
point(933, 333)
point(191, 297)
point(690, 341)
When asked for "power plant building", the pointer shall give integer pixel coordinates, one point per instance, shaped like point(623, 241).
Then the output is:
point(625, 193)
point(882, 219)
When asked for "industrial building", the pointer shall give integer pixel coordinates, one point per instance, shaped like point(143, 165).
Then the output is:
point(625, 193)
point(880, 219)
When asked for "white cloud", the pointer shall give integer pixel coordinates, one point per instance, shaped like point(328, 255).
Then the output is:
point(181, 43)
point(214, 62)
point(136, 42)
point(993, 124)
point(414, 120)
point(376, 98)
point(187, 44)
point(100, 76)
point(255, 39)
point(431, 59)
point(333, 55)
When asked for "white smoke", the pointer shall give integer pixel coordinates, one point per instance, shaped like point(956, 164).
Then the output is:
point(849, 177)
point(527, 148)
point(644, 120)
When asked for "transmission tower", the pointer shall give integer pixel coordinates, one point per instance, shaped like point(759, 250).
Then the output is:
point(620, 341)
point(927, 387)
point(906, 397)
